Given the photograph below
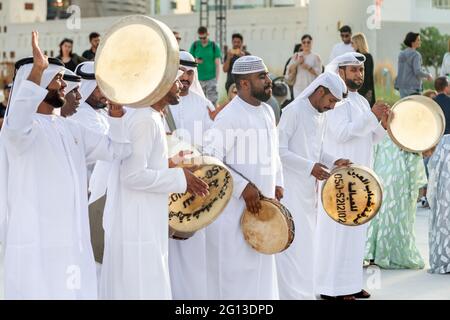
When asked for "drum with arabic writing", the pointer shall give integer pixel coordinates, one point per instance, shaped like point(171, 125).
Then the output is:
point(352, 195)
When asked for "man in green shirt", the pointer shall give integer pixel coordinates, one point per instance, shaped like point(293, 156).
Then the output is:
point(207, 55)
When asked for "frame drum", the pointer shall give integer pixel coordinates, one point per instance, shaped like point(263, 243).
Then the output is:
point(189, 213)
point(416, 123)
point(352, 195)
point(272, 230)
point(137, 61)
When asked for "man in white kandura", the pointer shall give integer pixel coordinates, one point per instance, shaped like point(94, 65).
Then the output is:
point(47, 248)
point(352, 131)
point(187, 258)
point(245, 137)
point(136, 219)
point(301, 130)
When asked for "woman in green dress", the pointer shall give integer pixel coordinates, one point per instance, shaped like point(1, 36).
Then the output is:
point(391, 240)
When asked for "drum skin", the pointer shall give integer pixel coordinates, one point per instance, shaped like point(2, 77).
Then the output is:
point(352, 195)
point(189, 213)
point(270, 231)
point(137, 61)
point(416, 123)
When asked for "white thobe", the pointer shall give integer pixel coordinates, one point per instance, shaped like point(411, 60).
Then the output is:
point(301, 131)
point(187, 258)
point(47, 252)
point(339, 49)
point(352, 131)
point(136, 220)
point(245, 137)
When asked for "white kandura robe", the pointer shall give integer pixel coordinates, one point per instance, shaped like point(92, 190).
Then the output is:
point(235, 270)
point(136, 221)
point(301, 130)
point(95, 120)
point(187, 258)
point(47, 253)
point(352, 131)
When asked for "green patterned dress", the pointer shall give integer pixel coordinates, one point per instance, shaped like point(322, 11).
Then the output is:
point(391, 238)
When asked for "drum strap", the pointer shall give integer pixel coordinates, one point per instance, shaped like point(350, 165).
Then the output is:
point(169, 119)
point(244, 177)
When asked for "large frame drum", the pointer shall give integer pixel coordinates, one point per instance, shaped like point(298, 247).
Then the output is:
point(416, 123)
point(137, 61)
point(352, 195)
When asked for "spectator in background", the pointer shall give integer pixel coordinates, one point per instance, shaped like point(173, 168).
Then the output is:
point(359, 43)
point(207, 55)
point(177, 36)
point(445, 68)
point(297, 48)
point(430, 93)
point(231, 93)
point(4, 104)
point(443, 91)
point(410, 72)
point(94, 39)
point(232, 55)
point(344, 46)
point(71, 60)
point(304, 66)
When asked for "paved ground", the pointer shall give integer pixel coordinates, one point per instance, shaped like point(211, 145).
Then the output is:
point(395, 284)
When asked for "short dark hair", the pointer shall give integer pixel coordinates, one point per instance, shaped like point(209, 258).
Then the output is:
point(202, 30)
point(237, 35)
point(237, 79)
point(306, 36)
point(410, 38)
point(345, 29)
point(440, 84)
point(93, 35)
point(325, 89)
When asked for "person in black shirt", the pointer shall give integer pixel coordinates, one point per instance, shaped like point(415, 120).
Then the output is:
point(4, 103)
point(232, 55)
point(359, 43)
point(443, 89)
point(70, 59)
point(94, 39)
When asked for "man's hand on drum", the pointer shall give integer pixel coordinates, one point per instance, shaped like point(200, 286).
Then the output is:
point(195, 185)
point(342, 163)
point(179, 158)
point(115, 110)
point(251, 198)
point(319, 172)
point(380, 110)
point(279, 192)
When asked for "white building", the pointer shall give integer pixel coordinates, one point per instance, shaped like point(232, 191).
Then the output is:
point(270, 28)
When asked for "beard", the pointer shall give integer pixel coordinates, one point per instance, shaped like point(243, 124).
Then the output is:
point(261, 95)
point(353, 85)
point(99, 105)
point(173, 99)
point(54, 99)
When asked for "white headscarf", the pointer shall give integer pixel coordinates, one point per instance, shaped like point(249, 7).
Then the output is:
point(329, 80)
point(24, 71)
point(88, 83)
point(71, 82)
point(346, 59)
point(187, 60)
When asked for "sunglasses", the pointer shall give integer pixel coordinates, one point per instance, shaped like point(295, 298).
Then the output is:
point(306, 42)
point(203, 38)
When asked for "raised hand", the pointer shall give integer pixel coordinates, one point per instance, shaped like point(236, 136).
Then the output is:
point(115, 110)
point(40, 60)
